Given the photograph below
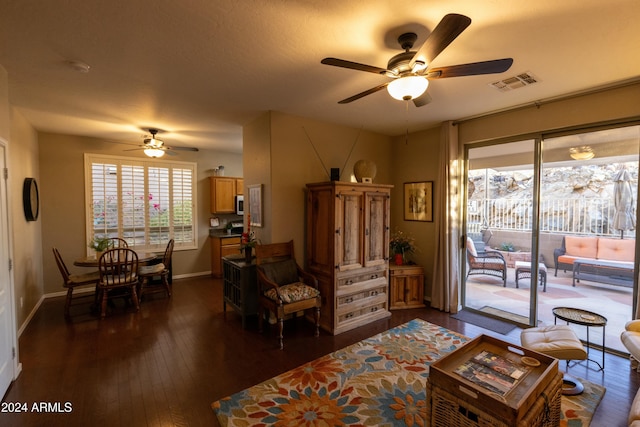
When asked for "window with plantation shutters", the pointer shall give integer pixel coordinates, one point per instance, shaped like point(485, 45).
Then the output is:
point(145, 202)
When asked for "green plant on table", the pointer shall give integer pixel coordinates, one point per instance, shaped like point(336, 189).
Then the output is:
point(99, 244)
point(401, 243)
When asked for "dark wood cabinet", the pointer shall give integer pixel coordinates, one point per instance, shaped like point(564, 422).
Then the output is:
point(240, 289)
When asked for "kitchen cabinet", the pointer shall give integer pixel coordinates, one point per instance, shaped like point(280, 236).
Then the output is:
point(223, 193)
point(222, 246)
point(406, 286)
point(347, 249)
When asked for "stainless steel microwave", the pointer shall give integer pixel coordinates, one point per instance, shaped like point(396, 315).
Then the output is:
point(239, 205)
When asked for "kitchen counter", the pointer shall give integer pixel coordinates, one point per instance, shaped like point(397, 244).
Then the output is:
point(222, 233)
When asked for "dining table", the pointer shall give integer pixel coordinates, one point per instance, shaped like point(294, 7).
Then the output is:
point(92, 261)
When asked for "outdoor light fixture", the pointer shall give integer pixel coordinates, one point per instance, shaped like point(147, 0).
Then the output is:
point(407, 88)
point(581, 153)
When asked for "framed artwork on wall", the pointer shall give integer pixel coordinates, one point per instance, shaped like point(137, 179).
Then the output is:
point(418, 201)
point(255, 205)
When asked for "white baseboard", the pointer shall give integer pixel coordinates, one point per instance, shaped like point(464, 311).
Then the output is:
point(30, 315)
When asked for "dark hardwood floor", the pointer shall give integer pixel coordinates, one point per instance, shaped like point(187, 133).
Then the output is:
point(166, 364)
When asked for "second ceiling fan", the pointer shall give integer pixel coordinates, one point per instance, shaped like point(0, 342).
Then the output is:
point(410, 70)
point(154, 147)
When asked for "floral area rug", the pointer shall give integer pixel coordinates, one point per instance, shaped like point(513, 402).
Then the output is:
point(380, 381)
point(577, 411)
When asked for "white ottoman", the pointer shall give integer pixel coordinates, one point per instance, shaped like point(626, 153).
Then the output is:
point(557, 341)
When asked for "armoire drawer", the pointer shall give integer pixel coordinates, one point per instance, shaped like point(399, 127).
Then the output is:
point(361, 277)
point(359, 297)
point(355, 314)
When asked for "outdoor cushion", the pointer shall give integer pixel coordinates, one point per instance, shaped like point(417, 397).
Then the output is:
point(471, 247)
point(151, 269)
point(498, 265)
point(293, 292)
point(568, 259)
point(583, 247)
point(616, 249)
point(281, 272)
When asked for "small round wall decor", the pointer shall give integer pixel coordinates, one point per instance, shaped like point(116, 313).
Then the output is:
point(30, 199)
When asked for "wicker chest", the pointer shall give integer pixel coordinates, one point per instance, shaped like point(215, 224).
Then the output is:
point(489, 382)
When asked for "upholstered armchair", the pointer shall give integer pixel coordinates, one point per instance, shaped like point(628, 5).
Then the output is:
point(487, 263)
point(284, 287)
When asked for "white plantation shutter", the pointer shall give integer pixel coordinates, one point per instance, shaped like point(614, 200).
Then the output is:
point(145, 202)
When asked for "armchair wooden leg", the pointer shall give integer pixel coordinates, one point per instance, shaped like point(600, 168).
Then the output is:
point(280, 329)
point(260, 318)
point(317, 319)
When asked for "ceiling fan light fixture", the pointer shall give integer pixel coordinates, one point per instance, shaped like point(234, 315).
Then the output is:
point(408, 87)
point(419, 67)
point(154, 152)
point(581, 153)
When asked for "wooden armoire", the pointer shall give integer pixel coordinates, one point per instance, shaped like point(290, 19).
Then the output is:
point(347, 249)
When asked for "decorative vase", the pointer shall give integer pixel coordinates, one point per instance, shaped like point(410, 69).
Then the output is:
point(247, 254)
point(399, 259)
point(99, 254)
point(364, 170)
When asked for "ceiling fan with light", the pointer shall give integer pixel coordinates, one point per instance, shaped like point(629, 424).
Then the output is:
point(410, 70)
point(154, 147)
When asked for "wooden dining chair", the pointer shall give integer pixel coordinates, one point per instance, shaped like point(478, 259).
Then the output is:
point(283, 286)
point(118, 270)
point(117, 242)
point(73, 281)
point(162, 270)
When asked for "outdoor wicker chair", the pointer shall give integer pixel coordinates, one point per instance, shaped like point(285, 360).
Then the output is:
point(486, 263)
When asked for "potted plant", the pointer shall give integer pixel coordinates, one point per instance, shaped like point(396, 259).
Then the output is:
point(401, 245)
point(248, 241)
point(99, 244)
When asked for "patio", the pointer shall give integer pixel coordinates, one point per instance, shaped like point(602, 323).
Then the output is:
point(612, 302)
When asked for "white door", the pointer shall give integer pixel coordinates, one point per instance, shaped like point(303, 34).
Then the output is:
point(6, 312)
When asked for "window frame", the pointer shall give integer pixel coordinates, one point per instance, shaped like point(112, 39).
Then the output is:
point(120, 161)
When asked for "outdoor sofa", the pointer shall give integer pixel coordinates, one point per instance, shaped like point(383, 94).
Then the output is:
point(598, 259)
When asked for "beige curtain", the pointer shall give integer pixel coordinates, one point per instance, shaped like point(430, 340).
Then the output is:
point(446, 274)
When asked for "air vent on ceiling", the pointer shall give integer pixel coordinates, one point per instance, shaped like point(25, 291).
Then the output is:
point(515, 82)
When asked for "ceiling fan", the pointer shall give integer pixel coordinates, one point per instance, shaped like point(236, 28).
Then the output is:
point(154, 147)
point(410, 70)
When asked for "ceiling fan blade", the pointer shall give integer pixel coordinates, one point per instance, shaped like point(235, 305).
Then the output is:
point(363, 94)
point(450, 27)
point(169, 152)
point(422, 100)
point(471, 69)
point(353, 65)
point(184, 148)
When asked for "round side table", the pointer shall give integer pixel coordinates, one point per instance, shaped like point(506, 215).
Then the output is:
point(585, 318)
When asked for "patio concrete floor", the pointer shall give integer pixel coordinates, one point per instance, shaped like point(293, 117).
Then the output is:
point(612, 302)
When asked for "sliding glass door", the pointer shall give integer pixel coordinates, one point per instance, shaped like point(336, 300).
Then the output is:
point(500, 190)
point(587, 226)
point(576, 218)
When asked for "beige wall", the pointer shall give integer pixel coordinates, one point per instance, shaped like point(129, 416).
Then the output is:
point(415, 159)
point(603, 106)
point(287, 142)
point(27, 235)
point(63, 207)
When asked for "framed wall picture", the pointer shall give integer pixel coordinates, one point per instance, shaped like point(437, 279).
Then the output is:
point(418, 201)
point(255, 205)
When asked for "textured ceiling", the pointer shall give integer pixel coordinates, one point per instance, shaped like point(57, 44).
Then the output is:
point(201, 69)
